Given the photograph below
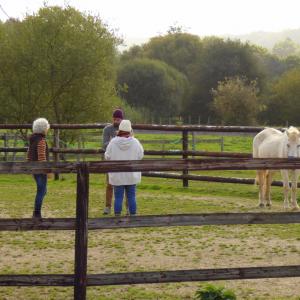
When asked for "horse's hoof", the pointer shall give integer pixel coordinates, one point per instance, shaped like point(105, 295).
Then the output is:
point(269, 205)
point(261, 205)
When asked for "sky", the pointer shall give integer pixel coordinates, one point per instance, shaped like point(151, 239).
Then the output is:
point(141, 19)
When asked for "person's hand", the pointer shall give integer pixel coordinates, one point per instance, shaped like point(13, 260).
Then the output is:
point(49, 175)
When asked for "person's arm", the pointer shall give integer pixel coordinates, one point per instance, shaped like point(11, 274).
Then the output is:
point(140, 150)
point(107, 154)
point(106, 138)
point(41, 150)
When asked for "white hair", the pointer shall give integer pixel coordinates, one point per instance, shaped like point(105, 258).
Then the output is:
point(40, 125)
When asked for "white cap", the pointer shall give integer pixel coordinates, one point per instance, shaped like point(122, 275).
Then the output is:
point(125, 125)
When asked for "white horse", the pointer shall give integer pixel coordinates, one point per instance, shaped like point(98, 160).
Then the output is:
point(272, 143)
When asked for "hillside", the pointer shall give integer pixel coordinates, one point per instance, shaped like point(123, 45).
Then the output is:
point(269, 39)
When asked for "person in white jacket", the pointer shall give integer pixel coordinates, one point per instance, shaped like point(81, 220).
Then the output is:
point(124, 147)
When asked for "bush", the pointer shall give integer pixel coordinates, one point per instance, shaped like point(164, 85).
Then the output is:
point(211, 292)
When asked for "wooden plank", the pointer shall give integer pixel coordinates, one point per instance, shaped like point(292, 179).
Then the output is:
point(155, 276)
point(37, 224)
point(55, 154)
point(209, 178)
point(153, 221)
point(152, 165)
point(194, 275)
point(147, 152)
point(195, 220)
point(81, 234)
point(37, 280)
point(193, 164)
point(203, 128)
point(185, 147)
point(36, 167)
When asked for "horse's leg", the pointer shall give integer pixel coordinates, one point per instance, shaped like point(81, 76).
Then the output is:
point(286, 187)
point(261, 183)
point(295, 175)
point(268, 182)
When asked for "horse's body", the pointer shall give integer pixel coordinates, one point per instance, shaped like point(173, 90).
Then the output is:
point(272, 143)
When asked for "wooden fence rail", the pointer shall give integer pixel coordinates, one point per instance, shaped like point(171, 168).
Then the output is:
point(146, 152)
point(154, 127)
point(152, 221)
point(152, 165)
point(153, 277)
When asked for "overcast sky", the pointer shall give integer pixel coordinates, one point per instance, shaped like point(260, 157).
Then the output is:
point(143, 19)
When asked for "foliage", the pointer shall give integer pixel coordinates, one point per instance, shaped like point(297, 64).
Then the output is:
point(152, 85)
point(212, 292)
point(283, 105)
point(220, 59)
point(235, 101)
point(177, 49)
point(286, 48)
point(58, 63)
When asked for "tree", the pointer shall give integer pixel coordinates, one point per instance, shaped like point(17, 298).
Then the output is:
point(178, 49)
point(152, 85)
point(286, 48)
point(59, 63)
point(220, 59)
point(284, 105)
point(235, 101)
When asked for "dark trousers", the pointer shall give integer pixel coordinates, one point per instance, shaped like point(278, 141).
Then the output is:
point(41, 190)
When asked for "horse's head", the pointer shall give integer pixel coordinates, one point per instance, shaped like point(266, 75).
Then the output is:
point(293, 144)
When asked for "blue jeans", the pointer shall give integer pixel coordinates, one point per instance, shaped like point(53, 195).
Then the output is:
point(41, 190)
point(119, 195)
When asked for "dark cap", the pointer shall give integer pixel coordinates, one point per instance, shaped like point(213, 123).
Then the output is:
point(118, 114)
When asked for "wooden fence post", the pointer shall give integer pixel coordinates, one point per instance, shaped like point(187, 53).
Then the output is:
point(185, 147)
point(5, 139)
point(56, 155)
point(81, 234)
point(222, 144)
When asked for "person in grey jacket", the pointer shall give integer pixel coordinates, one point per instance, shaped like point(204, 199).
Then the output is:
point(109, 132)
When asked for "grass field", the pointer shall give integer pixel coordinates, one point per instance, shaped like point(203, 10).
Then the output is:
point(150, 249)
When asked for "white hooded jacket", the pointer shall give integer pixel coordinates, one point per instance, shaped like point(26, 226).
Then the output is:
point(122, 148)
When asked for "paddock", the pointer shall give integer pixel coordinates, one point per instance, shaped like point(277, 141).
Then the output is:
point(84, 227)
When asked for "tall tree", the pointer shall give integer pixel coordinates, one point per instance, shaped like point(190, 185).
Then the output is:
point(178, 49)
point(219, 59)
point(58, 63)
point(284, 105)
point(235, 101)
point(153, 85)
point(286, 48)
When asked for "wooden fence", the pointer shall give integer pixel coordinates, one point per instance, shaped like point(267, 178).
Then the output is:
point(184, 153)
point(81, 224)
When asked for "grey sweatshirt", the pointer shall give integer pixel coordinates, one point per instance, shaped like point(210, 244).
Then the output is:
point(109, 132)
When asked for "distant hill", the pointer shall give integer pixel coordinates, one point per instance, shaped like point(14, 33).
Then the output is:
point(269, 39)
point(261, 38)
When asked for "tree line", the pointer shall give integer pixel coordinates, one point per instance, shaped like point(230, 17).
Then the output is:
point(65, 65)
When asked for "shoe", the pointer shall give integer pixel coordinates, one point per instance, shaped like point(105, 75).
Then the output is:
point(106, 211)
point(37, 214)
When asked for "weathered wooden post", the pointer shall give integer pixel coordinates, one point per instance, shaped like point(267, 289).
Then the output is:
point(81, 234)
point(56, 155)
point(5, 139)
point(185, 147)
point(222, 144)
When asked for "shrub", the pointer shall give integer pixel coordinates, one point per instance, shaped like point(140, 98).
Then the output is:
point(212, 292)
